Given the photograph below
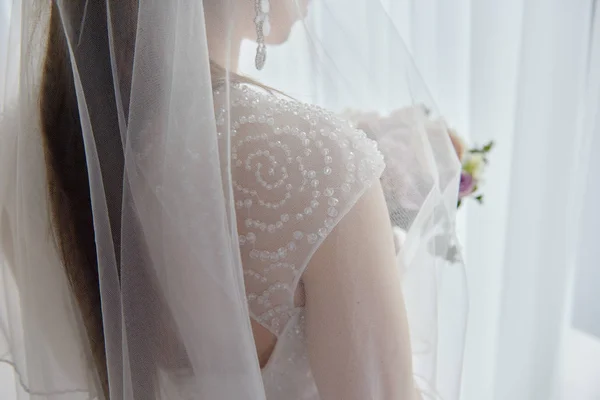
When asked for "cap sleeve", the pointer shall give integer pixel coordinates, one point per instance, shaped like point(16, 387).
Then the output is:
point(297, 170)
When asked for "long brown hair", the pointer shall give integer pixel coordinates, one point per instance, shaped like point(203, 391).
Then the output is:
point(67, 175)
point(67, 171)
point(68, 188)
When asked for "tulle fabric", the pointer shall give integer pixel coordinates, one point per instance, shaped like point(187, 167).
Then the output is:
point(175, 313)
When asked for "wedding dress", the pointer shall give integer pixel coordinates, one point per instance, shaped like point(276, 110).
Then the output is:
point(297, 170)
point(211, 203)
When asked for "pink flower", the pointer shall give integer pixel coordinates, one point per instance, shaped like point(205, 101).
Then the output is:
point(467, 185)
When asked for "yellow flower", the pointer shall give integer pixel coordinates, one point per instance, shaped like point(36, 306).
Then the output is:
point(474, 164)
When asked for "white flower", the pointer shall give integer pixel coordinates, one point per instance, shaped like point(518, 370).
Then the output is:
point(377, 126)
point(474, 164)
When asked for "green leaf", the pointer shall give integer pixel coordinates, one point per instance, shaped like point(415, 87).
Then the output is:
point(488, 147)
point(479, 199)
point(483, 150)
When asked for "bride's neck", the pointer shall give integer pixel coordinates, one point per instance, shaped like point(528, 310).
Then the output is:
point(223, 54)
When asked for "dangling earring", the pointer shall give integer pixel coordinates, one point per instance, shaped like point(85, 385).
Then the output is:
point(263, 28)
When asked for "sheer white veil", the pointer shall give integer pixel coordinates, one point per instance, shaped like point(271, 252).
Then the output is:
point(169, 275)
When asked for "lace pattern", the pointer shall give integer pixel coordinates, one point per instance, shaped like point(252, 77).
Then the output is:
point(297, 169)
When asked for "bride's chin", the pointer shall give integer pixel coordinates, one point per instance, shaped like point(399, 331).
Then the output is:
point(278, 38)
point(281, 36)
point(297, 10)
point(277, 41)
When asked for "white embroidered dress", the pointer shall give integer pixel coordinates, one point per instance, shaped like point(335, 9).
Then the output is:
point(297, 170)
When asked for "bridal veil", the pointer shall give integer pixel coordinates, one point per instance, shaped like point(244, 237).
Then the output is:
point(170, 280)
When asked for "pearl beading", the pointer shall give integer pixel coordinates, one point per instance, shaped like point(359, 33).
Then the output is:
point(296, 170)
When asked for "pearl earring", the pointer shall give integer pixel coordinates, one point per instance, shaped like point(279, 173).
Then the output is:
point(263, 28)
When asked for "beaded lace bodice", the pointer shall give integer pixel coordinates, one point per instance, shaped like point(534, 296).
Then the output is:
point(297, 169)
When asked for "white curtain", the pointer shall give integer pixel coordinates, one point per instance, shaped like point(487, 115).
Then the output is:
point(525, 73)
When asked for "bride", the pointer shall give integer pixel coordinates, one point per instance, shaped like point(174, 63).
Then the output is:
point(173, 228)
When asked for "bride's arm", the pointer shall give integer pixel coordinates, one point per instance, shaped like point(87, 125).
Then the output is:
point(358, 337)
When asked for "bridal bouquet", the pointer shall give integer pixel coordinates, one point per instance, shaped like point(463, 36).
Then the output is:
point(473, 161)
point(394, 134)
point(398, 135)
